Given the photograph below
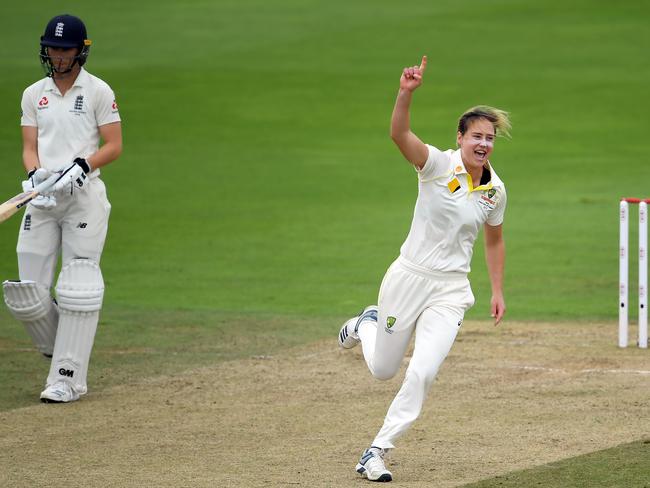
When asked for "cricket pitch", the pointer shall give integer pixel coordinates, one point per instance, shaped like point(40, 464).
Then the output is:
point(511, 397)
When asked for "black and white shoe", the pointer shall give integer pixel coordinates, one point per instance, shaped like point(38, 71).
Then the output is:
point(349, 333)
point(371, 465)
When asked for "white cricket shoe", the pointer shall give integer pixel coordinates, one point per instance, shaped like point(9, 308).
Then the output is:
point(59, 392)
point(349, 333)
point(371, 465)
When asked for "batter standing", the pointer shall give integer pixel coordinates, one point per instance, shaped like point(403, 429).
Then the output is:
point(64, 117)
point(426, 289)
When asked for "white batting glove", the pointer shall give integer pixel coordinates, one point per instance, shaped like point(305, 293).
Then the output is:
point(73, 177)
point(45, 200)
point(35, 177)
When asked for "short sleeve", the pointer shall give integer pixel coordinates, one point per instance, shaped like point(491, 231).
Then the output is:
point(496, 216)
point(436, 164)
point(106, 111)
point(27, 110)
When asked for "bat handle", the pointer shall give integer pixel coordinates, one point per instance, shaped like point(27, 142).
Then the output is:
point(47, 183)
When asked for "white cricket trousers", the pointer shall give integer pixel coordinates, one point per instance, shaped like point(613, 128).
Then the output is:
point(76, 228)
point(432, 304)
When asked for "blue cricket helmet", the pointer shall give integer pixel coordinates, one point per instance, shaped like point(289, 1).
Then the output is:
point(67, 32)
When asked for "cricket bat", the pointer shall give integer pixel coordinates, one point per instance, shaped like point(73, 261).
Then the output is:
point(14, 204)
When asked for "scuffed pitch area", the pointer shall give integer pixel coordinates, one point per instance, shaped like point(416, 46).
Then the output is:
point(507, 398)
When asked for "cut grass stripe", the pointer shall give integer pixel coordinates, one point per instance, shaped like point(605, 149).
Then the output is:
point(624, 466)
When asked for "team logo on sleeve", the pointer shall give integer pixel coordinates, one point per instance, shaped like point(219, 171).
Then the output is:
point(114, 107)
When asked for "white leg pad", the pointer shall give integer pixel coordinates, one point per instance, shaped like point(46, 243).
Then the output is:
point(31, 303)
point(80, 291)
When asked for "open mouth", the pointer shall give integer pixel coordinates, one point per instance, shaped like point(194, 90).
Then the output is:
point(480, 154)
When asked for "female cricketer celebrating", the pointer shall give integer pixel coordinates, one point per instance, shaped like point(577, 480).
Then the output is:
point(64, 116)
point(426, 289)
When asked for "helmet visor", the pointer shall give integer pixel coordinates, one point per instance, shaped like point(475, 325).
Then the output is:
point(59, 43)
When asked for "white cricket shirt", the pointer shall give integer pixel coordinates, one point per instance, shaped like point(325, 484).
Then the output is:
point(68, 126)
point(449, 213)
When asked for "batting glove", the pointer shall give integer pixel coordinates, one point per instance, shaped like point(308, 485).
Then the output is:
point(45, 200)
point(74, 176)
point(37, 176)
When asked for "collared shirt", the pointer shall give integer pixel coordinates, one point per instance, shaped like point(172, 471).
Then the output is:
point(449, 213)
point(68, 125)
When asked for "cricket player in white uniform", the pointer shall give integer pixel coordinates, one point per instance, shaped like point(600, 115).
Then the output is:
point(64, 117)
point(426, 289)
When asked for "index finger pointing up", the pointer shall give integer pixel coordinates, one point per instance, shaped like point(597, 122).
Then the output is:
point(423, 64)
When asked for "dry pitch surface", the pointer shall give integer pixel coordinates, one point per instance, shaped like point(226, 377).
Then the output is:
point(507, 398)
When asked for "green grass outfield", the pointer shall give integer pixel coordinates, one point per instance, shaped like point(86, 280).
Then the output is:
point(259, 190)
point(622, 466)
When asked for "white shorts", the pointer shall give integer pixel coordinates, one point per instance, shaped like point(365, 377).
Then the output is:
point(76, 228)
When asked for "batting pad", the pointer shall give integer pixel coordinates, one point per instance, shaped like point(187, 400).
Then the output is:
point(31, 303)
point(80, 291)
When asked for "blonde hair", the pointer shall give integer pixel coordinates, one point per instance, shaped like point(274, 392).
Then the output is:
point(499, 118)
